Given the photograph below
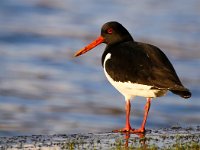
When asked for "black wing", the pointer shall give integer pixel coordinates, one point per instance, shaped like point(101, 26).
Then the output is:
point(144, 64)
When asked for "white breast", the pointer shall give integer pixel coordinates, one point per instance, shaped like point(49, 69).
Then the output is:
point(129, 89)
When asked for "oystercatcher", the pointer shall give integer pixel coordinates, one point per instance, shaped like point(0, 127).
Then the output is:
point(135, 69)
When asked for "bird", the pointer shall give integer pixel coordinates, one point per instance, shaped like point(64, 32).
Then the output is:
point(135, 69)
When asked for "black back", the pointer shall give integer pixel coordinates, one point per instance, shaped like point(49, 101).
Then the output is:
point(140, 63)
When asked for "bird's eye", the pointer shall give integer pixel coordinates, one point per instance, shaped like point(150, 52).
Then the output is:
point(109, 31)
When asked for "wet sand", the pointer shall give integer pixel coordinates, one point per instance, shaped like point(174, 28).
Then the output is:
point(173, 137)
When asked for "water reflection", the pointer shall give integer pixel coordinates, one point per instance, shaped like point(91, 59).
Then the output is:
point(128, 143)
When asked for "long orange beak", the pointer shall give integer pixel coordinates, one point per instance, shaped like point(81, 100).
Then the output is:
point(90, 46)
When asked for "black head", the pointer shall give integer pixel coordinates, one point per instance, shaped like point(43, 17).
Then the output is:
point(113, 32)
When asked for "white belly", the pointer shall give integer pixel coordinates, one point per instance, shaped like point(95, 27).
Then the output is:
point(129, 89)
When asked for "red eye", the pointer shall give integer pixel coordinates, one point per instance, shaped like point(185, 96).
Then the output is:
point(109, 31)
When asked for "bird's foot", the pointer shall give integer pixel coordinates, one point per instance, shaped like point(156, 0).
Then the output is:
point(140, 130)
point(124, 130)
point(130, 130)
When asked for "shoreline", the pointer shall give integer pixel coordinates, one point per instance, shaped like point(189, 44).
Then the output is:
point(161, 138)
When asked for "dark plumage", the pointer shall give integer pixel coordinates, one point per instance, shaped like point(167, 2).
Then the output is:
point(139, 62)
point(135, 69)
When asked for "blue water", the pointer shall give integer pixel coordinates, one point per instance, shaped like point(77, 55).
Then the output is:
point(45, 90)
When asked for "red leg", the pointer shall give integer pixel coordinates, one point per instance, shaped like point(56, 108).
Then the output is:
point(128, 109)
point(127, 127)
point(147, 107)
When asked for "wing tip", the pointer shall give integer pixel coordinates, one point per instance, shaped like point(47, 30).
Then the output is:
point(184, 94)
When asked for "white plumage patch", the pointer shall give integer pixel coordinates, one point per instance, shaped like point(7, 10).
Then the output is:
point(129, 89)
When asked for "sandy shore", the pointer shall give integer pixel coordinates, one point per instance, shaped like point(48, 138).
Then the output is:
point(162, 138)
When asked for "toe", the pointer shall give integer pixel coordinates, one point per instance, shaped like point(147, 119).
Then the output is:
point(140, 130)
point(124, 130)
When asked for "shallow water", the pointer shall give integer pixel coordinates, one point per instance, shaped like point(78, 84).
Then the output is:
point(45, 90)
point(170, 138)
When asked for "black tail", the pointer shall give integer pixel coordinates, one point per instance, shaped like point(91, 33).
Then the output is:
point(185, 94)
